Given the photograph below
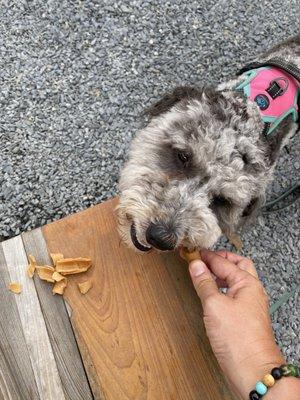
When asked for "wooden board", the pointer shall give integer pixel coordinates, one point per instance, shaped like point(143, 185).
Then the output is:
point(39, 356)
point(139, 329)
point(64, 345)
point(16, 373)
point(33, 324)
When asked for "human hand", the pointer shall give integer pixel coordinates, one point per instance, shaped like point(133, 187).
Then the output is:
point(237, 323)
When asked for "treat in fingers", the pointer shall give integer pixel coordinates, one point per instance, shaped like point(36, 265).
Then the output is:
point(188, 255)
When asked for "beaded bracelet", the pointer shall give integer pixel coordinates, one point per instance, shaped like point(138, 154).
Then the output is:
point(269, 380)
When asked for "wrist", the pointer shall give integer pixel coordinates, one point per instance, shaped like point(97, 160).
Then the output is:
point(252, 369)
point(285, 388)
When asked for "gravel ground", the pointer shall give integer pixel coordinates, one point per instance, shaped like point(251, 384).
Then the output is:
point(76, 75)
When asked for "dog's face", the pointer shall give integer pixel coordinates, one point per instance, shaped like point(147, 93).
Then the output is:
point(195, 171)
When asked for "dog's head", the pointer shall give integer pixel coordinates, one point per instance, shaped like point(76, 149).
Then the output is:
point(199, 168)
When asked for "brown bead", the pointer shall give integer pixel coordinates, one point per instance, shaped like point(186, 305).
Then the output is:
point(268, 380)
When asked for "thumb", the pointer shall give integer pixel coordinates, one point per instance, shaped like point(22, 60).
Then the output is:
point(203, 280)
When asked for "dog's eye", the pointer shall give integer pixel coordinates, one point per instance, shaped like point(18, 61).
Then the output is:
point(183, 156)
point(245, 158)
point(220, 201)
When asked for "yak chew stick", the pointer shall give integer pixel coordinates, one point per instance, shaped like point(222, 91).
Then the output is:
point(189, 255)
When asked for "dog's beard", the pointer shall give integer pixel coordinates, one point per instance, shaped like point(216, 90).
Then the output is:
point(194, 228)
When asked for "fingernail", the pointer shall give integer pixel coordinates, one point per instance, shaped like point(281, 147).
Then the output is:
point(197, 268)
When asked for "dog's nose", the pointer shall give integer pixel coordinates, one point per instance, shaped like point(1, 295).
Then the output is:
point(160, 236)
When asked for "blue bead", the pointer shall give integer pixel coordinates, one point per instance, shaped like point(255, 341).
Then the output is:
point(261, 388)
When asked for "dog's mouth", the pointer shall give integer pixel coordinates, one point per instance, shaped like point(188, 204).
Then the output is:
point(136, 242)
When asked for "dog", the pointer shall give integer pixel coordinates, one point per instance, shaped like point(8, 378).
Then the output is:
point(201, 166)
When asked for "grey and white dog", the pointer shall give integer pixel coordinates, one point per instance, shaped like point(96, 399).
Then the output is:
point(201, 166)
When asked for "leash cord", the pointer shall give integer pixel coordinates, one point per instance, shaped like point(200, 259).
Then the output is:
point(295, 190)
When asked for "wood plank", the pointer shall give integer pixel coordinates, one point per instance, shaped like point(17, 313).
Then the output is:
point(65, 349)
point(16, 373)
point(133, 324)
point(34, 328)
point(192, 305)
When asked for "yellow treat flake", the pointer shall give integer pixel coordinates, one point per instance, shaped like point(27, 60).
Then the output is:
point(45, 273)
point(68, 266)
point(31, 266)
point(56, 256)
point(59, 287)
point(15, 287)
point(84, 287)
point(57, 276)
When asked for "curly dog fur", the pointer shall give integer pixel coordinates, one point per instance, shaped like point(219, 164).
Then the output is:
point(201, 166)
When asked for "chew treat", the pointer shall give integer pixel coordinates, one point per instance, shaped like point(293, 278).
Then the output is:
point(59, 287)
point(84, 287)
point(45, 273)
point(15, 287)
point(57, 276)
point(31, 266)
point(68, 266)
point(56, 256)
point(188, 255)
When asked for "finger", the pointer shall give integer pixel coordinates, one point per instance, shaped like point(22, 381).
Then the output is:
point(242, 262)
point(203, 280)
point(247, 265)
point(223, 268)
point(219, 282)
point(235, 258)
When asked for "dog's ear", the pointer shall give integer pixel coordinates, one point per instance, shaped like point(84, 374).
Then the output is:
point(275, 142)
point(170, 99)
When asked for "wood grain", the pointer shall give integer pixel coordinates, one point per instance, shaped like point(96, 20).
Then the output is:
point(16, 373)
point(65, 349)
point(134, 325)
point(192, 306)
point(33, 324)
